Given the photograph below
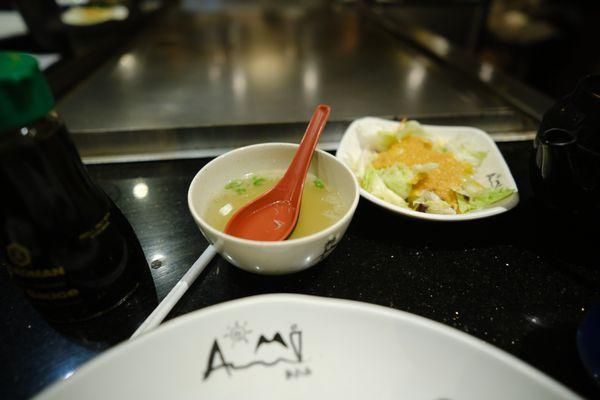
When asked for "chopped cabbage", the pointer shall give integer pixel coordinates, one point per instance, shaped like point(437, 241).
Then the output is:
point(375, 185)
point(465, 152)
point(417, 168)
point(376, 137)
point(463, 203)
point(398, 178)
point(384, 140)
point(410, 127)
point(470, 188)
point(484, 198)
point(364, 162)
point(431, 203)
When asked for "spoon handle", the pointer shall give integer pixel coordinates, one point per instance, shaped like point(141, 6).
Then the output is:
point(298, 168)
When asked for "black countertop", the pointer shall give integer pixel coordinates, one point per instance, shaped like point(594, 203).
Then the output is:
point(521, 281)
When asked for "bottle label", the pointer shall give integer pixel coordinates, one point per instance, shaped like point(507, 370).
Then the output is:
point(83, 270)
point(36, 273)
point(97, 229)
point(18, 254)
point(52, 295)
point(41, 284)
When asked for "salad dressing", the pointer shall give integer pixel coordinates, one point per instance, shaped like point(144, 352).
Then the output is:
point(444, 179)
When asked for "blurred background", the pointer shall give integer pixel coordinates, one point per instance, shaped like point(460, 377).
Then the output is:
point(158, 79)
point(548, 44)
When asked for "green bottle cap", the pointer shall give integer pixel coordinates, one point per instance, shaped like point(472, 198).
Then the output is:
point(24, 93)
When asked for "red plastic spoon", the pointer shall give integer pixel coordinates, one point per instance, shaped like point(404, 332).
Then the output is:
point(273, 215)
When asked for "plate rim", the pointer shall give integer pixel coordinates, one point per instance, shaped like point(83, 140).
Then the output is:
point(480, 214)
point(309, 300)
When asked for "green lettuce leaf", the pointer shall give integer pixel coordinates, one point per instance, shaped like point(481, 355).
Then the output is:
point(398, 179)
point(384, 140)
point(483, 199)
point(374, 184)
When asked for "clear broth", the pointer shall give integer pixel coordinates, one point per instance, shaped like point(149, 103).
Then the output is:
point(321, 205)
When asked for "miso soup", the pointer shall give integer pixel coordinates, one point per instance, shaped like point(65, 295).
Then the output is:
point(321, 205)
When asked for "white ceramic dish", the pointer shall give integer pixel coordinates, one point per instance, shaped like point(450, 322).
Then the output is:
point(83, 16)
point(301, 347)
point(493, 169)
point(271, 257)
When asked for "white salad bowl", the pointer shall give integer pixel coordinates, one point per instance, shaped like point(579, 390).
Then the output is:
point(492, 171)
point(301, 347)
point(271, 257)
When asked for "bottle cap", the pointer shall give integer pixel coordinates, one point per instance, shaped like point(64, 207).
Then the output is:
point(24, 93)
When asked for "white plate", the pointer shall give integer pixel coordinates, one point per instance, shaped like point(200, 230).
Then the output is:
point(300, 347)
point(493, 170)
point(91, 15)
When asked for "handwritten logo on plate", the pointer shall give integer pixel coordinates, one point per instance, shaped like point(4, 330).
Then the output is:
point(248, 349)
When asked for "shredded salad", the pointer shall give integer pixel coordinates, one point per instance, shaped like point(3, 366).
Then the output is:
point(410, 168)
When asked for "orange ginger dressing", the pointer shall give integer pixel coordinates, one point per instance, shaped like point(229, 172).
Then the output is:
point(412, 150)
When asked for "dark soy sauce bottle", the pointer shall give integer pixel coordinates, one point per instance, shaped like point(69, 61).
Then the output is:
point(62, 240)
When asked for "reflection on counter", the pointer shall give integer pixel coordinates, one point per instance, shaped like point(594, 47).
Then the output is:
point(206, 64)
point(140, 190)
